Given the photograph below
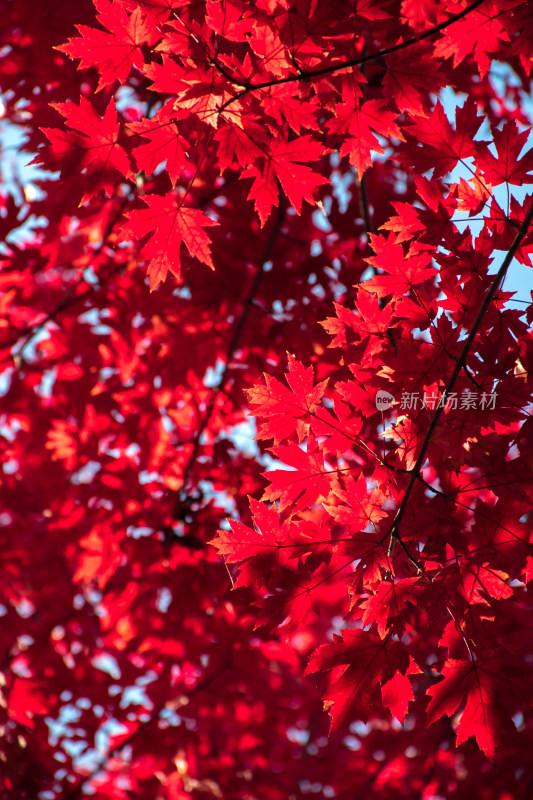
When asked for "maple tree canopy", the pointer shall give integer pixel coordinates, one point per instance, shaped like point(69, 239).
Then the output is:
point(266, 400)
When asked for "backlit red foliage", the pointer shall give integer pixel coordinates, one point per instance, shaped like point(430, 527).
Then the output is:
point(266, 400)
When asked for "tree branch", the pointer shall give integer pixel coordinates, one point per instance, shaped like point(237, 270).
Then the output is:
point(354, 62)
point(70, 299)
point(232, 347)
point(142, 728)
point(460, 363)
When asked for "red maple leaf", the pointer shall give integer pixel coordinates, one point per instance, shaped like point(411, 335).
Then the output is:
point(168, 225)
point(243, 542)
point(27, 697)
point(339, 431)
point(480, 31)
point(420, 14)
point(362, 122)
point(444, 147)
point(99, 557)
point(91, 146)
point(124, 431)
point(472, 194)
point(305, 485)
point(397, 694)
point(477, 581)
point(507, 166)
point(356, 508)
point(389, 601)
point(266, 43)
point(115, 51)
point(358, 662)
point(376, 322)
point(369, 552)
point(294, 598)
point(286, 409)
point(405, 272)
point(482, 717)
point(238, 147)
point(297, 180)
point(411, 76)
point(165, 144)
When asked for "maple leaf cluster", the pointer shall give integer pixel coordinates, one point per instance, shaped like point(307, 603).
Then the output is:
point(266, 399)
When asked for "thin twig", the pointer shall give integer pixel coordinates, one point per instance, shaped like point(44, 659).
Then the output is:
point(354, 62)
point(232, 347)
point(70, 299)
point(142, 727)
point(461, 361)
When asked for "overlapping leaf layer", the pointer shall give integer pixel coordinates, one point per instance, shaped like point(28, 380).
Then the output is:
point(266, 250)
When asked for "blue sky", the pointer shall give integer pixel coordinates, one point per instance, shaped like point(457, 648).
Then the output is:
point(519, 277)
